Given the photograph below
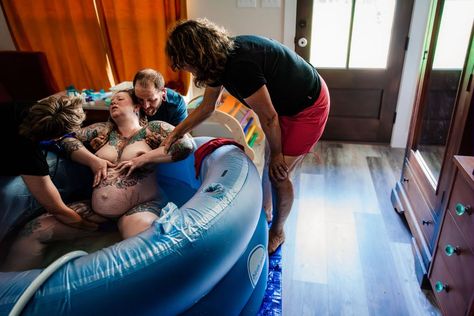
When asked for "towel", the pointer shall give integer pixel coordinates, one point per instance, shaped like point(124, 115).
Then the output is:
point(208, 148)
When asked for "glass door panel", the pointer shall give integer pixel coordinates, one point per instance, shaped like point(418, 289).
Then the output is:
point(330, 29)
point(351, 33)
point(372, 27)
point(450, 53)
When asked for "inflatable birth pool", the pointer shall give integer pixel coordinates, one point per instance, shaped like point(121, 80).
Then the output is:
point(207, 257)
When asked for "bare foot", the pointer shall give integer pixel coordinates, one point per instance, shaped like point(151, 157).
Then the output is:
point(275, 239)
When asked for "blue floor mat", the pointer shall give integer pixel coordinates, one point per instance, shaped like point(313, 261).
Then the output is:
point(271, 305)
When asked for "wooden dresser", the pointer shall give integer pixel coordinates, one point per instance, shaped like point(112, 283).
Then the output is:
point(452, 271)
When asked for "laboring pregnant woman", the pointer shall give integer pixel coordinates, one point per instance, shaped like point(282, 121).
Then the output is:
point(125, 186)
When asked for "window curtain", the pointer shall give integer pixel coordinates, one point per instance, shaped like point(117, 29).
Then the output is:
point(94, 44)
point(68, 33)
point(137, 33)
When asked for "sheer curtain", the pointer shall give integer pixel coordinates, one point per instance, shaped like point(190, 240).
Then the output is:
point(97, 43)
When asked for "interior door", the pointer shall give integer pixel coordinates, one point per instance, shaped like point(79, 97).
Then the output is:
point(358, 46)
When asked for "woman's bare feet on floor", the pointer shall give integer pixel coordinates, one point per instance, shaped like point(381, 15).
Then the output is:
point(275, 239)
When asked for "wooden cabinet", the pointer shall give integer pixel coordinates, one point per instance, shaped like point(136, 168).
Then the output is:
point(452, 271)
point(430, 181)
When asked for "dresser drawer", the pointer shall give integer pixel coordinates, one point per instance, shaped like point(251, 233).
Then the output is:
point(462, 196)
point(421, 211)
point(447, 291)
point(458, 256)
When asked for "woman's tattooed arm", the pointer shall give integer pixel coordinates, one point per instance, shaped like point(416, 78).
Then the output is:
point(158, 131)
point(71, 144)
point(94, 136)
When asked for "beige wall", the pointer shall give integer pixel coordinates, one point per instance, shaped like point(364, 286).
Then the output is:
point(274, 22)
point(259, 21)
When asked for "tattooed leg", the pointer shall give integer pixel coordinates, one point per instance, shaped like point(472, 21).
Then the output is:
point(28, 249)
point(139, 218)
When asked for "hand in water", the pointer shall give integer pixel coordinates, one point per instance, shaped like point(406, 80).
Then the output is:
point(75, 220)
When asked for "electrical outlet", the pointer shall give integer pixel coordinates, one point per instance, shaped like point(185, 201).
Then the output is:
point(246, 3)
point(271, 3)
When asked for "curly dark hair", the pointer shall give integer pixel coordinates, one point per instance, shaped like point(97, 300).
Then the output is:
point(201, 45)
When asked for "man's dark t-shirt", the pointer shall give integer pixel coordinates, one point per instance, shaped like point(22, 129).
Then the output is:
point(172, 110)
point(21, 155)
point(292, 82)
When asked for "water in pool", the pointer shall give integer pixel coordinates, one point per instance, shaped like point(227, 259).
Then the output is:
point(177, 192)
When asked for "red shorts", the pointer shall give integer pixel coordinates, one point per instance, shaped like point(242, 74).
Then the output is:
point(300, 132)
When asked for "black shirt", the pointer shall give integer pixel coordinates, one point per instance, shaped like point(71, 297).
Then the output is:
point(21, 156)
point(292, 82)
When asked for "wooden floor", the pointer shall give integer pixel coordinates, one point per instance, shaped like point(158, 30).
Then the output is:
point(347, 251)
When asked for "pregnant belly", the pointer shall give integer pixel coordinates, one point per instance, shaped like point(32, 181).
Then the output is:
point(117, 194)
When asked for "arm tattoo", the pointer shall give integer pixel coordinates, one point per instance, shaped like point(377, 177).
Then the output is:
point(181, 148)
point(95, 135)
point(71, 145)
point(160, 130)
point(157, 127)
point(87, 133)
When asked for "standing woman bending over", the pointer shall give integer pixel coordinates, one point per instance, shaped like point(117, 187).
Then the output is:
point(286, 92)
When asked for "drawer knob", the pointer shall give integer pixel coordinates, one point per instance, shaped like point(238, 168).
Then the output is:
point(428, 222)
point(463, 209)
point(450, 250)
point(440, 287)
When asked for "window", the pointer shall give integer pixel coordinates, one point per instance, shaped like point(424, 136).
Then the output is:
point(351, 33)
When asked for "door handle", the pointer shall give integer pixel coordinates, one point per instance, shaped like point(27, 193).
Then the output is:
point(302, 42)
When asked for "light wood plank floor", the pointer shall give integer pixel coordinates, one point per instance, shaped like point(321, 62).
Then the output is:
point(347, 251)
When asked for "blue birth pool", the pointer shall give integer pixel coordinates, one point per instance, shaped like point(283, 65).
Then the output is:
point(208, 256)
